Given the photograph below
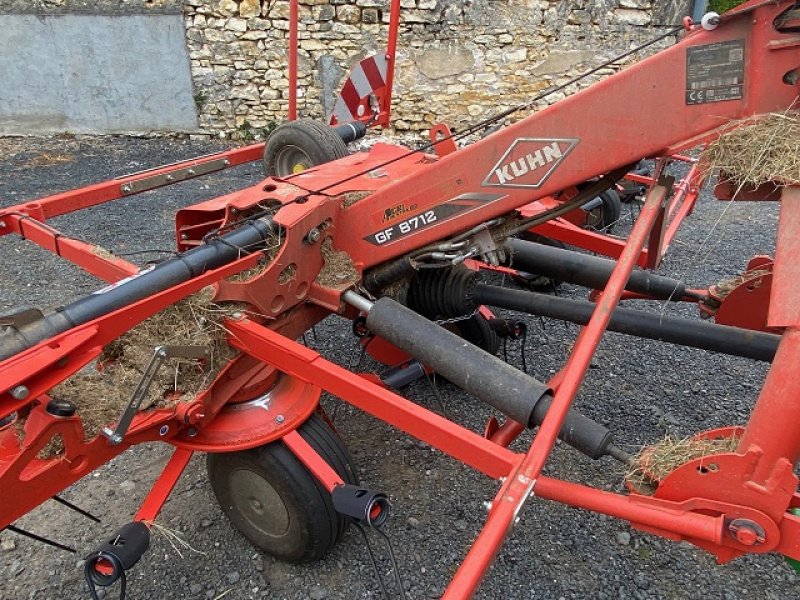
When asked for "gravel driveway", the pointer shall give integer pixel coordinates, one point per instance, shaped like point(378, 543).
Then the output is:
point(640, 389)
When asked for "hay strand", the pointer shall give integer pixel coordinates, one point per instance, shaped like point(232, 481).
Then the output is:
point(653, 463)
point(759, 150)
point(101, 395)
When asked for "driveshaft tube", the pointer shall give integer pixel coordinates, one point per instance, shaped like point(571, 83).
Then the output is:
point(675, 330)
point(509, 390)
point(588, 271)
point(245, 239)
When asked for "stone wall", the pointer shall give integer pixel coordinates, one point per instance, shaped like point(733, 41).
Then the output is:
point(457, 61)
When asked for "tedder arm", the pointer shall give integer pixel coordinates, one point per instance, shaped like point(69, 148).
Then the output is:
point(343, 237)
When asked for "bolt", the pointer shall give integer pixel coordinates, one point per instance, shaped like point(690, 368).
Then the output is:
point(162, 353)
point(170, 178)
point(184, 236)
point(237, 316)
point(226, 162)
point(313, 236)
point(234, 211)
point(164, 430)
point(487, 505)
point(192, 432)
point(280, 419)
point(126, 189)
point(2, 224)
point(20, 392)
point(116, 438)
point(191, 171)
point(747, 532)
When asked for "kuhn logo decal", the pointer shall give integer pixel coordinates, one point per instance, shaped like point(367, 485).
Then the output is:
point(529, 162)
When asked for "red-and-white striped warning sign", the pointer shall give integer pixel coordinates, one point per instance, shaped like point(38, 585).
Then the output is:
point(367, 78)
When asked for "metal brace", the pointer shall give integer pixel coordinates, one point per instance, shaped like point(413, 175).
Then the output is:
point(160, 356)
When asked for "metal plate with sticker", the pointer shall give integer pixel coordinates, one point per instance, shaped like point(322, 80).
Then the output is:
point(715, 72)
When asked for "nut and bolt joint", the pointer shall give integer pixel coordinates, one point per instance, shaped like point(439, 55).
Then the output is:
point(747, 532)
point(19, 392)
point(280, 419)
point(312, 237)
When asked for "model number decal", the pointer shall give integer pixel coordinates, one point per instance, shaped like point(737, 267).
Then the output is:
point(405, 227)
point(418, 222)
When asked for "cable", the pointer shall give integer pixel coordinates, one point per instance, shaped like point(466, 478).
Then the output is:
point(499, 116)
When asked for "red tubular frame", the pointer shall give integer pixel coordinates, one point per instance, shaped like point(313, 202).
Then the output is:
point(293, 51)
point(752, 487)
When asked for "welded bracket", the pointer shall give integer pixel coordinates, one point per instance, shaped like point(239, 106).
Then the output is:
point(160, 356)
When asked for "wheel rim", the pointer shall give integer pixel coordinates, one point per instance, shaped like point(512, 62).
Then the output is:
point(259, 503)
point(291, 160)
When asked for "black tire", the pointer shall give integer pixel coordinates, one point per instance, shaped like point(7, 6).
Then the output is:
point(604, 216)
point(299, 145)
point(477, 331)
point(275, 502)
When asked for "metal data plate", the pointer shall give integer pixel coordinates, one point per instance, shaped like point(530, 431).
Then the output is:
point(715, 72)
point(155, 181)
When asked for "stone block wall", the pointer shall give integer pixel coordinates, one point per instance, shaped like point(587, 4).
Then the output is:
point(457, 61)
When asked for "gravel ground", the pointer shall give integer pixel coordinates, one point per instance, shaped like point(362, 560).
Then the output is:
point(642, 390)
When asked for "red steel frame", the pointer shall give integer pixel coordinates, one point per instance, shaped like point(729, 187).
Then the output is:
point(753, 487)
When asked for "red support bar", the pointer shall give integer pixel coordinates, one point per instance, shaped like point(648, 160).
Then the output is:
point(519, 485)
point(294, 18)
point(643, 511)
point(99, 193)
point(164, 485)
point(307, 365)
point(391, 53)
point(312, 460)
point(89, 257)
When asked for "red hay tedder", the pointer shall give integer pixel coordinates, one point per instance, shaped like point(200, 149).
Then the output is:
point(414, 228)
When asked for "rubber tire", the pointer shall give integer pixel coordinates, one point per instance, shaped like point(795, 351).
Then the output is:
point(610, 211)
point(477, 331)
point(314, 526)
point(318, 142)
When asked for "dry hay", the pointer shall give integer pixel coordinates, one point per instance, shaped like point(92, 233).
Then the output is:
point(101, 396)
point(268, 255)
point(339, 271)
point(49, 159)
point(759, 150)
point(654, 463)
point(351, 198)
point(725, 287)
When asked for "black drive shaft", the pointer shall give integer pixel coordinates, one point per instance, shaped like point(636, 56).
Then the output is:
point(588, 271)
point(215, 253)
point(509, 390)
point(675, 330)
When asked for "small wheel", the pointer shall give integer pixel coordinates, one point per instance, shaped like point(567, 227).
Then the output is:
point(299, 145)
point(477, 331)
point(603, 217)
point(275, 502)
